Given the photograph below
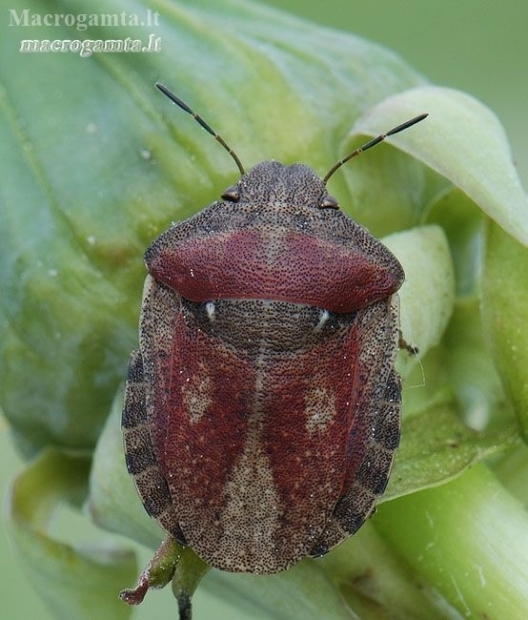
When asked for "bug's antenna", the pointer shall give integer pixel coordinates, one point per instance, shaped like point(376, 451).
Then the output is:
point(372, 143)
point(201, 122)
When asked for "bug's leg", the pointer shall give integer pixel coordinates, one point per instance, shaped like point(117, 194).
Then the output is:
point(410, 348)
point(157, 574)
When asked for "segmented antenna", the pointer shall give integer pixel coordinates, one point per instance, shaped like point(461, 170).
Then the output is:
point(201, 122)
point(372, 143)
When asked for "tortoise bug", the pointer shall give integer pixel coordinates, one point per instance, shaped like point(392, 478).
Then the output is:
point(262, 409)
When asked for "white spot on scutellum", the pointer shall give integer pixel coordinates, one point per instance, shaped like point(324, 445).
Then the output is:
point(319, 409)
point(196, 397)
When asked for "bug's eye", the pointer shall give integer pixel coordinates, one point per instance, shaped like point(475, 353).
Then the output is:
point(232, 194)
point(329, 202)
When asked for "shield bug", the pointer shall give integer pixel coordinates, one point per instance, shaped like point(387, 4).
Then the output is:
point(262, 410)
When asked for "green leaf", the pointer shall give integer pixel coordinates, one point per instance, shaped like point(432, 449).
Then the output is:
point(505, 313)
point(428, 293)
point(471, 369)
point(468, 538)
point(378, 584)
point(512, 471)
point(436, 447)
point(463, 223)
point(287, 596)
point(70, 579)
point(461, 140)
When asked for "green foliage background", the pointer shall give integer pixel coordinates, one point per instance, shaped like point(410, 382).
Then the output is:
point(477, 46)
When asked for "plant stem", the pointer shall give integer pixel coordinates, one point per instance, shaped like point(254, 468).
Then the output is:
point(469, 538)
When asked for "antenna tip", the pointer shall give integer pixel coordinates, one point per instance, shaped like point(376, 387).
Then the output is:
point(412, 122)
